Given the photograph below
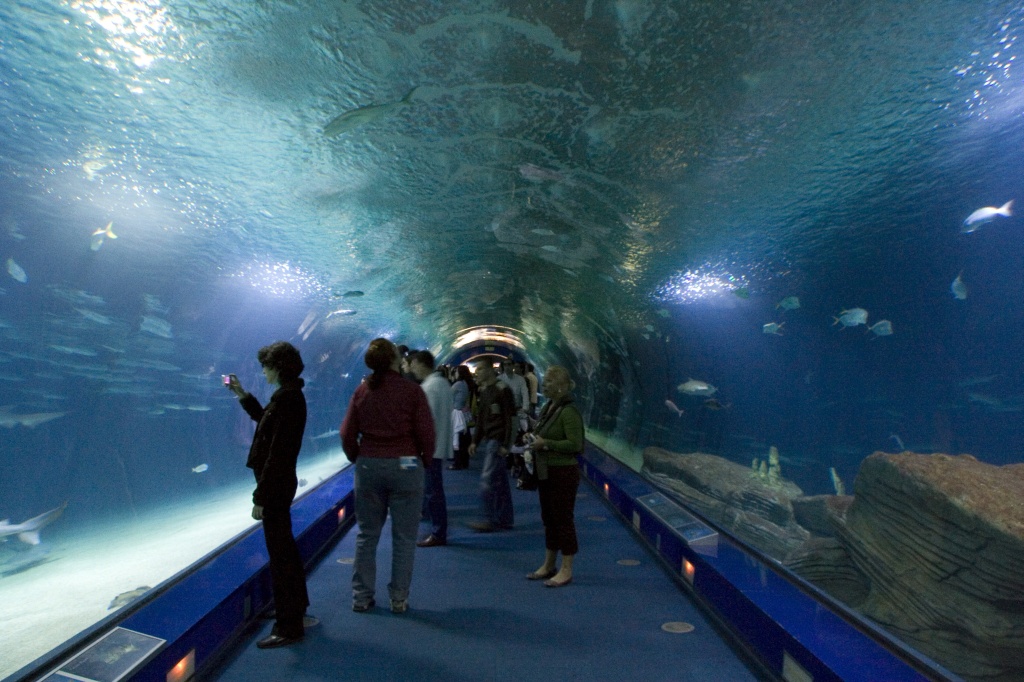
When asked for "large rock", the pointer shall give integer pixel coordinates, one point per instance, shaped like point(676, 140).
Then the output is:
point(941, 541)
point(751, 507)
point(929, 546)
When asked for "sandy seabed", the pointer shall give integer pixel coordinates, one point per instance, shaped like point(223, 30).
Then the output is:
point(44, 606)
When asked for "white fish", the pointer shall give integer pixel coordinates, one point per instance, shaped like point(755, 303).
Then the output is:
point(899, 442)
point(94, 316)
point(958, 288)
point(15, 271)
point(543, 232)
point(881, 328)
point(698, 388)
point(326, 434)
point(74, 350)
point(675, 408)
point(100, 234)
point(156, 326)
point(201, 468)
point(537, 174)
point(851, 317)
point(986, 215)
point(28, 420)
point(355, 118)
point(344, 312)
point(198, 408)
point(773, 328)
point(789, 303)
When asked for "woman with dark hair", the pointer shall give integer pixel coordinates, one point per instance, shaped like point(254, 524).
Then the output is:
point(388, 432)
point(556, 441)
point(463, 397)
point(272, 457)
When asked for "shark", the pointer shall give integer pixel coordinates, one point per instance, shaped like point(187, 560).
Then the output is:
point(28, 532)
point(31, 420)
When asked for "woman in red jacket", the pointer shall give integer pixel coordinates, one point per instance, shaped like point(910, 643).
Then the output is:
point(388, 432)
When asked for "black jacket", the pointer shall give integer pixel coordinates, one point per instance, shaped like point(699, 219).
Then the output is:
point(276, 443)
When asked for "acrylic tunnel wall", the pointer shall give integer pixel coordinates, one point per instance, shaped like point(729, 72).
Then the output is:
point(775, 245)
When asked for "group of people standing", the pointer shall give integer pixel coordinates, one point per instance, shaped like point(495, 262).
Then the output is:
point(404, 420)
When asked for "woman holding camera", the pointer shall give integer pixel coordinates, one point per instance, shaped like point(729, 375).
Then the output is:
point(557, 440)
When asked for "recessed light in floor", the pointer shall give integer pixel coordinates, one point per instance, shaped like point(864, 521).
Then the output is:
point(677, 627)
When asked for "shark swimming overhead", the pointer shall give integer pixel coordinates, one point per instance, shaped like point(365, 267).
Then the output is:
point(28, 532)
point(356, 118)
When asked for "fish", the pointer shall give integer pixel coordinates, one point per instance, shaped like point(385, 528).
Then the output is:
point(741, 292)
point(96, 241)
point(543, 232)
point(899, 442)
point(537, 174)
point(200, 469)
point(354, 293)
point(664, 313)
point(984, 399)
point(851, 317)
point(327, 434)
point(15, 271)
point(356, 118)
point(156, 326)
point(837, 483)
point(716, 404)
point(94, 316)
point(128, 597)
point(73, 350)
point(958, 288)
point(881, 328)
point(698, 388)
point(986, 215)
point(343, 312)
point(976, 381)
point(773, 328)
point(198, 408)
point(675, 408)
point(29, 420)
point(303, 483)
point(28, 531)
point(788, 303)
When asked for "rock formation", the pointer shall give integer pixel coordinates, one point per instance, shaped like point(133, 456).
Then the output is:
point(929, 546)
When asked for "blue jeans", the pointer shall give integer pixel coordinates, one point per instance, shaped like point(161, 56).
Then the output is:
point(382, 485)
point(495, 492)
point(435, 505)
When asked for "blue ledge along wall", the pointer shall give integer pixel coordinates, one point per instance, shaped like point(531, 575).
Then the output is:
point(202, 612)
point(795, 634)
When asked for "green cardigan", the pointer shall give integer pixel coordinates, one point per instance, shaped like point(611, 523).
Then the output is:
point(563, 439)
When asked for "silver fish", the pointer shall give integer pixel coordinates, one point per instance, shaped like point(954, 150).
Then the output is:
point(695, 387)
point(851, 317)
point(789, 303)
point(355, 118)
point(881, 328)
point(773, 328)
point(986, 215)
point(15, 271)
point(958, 288)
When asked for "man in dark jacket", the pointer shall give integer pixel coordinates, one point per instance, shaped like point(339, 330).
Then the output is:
point(496, 412)
point(272, 456)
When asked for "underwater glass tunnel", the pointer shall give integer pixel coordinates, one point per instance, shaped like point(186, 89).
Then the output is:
point(775, 245)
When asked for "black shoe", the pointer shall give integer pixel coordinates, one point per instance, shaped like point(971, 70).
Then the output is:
point(274, 641)
point(431, 541)
point(363, 608)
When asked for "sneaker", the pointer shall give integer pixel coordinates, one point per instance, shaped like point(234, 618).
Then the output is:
point(399, 605)
point(364, 607)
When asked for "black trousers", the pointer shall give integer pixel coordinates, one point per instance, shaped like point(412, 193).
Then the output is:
point(462, 453)
point(287, 574)
point(557, 508)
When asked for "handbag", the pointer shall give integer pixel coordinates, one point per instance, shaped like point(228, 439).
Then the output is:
point(525, 471)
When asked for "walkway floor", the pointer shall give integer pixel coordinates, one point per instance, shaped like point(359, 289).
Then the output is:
point(473, 616)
